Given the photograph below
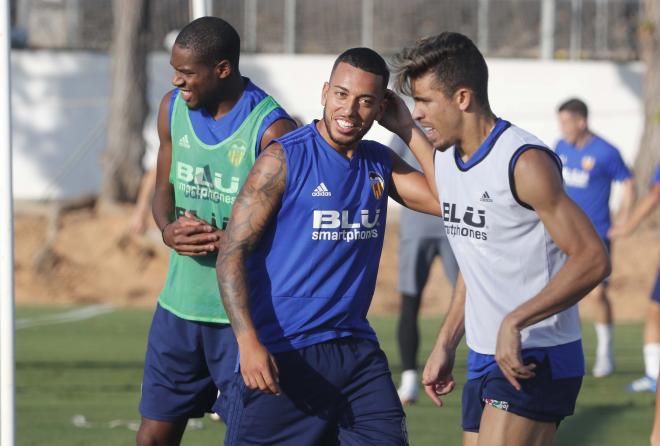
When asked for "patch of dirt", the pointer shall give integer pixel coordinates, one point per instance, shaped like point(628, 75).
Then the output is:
point(94, 259)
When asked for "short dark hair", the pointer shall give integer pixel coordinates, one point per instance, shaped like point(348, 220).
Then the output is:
point(367, 60)
point(575, 105)
point(452, 57)
point(212, 39)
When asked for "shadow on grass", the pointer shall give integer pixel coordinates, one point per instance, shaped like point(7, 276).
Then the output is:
point(583, 427)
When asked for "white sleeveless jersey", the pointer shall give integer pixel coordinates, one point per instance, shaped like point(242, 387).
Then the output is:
point(503, 250)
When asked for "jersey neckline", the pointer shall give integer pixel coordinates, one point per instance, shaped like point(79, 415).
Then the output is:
point(484, 149)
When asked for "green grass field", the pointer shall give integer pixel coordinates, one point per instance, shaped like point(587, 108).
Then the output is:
point(94, 368)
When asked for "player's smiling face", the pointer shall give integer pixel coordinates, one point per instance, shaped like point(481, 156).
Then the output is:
point(197, 81)
point(439, 115)
point(352, 100)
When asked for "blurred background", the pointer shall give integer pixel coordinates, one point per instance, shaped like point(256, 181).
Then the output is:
point(87, 77)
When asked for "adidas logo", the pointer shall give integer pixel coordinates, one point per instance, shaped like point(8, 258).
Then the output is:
point(485, 197)
point(321, 191)
point(183, 142)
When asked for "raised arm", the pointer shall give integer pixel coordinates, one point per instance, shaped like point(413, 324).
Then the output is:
point(255, 206)
point(398, 120)
point(410, 188)
point(538, 183)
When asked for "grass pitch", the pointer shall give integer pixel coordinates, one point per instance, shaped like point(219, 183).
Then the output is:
point(78, 383)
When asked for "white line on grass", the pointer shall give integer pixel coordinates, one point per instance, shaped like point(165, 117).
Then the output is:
point(78, 314)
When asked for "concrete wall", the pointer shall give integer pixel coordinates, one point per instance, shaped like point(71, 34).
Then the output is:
point(59, 106)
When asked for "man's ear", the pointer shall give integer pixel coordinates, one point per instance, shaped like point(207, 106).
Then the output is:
point(223, 69)
point(324, 93)
point(464, 98)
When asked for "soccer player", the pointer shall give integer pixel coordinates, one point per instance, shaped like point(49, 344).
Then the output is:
point(312, 215)
point(422, 238)
point(526, 252)
point(590, 165)
point(211, 126)
point(648, 382)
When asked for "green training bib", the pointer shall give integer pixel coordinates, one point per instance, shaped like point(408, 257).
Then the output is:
point(206, 181)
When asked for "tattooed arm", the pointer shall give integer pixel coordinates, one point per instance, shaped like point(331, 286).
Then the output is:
point(255, 206)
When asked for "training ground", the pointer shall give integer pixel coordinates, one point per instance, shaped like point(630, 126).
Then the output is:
point(72, 363)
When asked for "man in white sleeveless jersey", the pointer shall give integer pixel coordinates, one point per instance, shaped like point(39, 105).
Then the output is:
point(527, 254)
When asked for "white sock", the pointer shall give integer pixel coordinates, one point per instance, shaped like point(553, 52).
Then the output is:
point(604, 335)
point(409, 379)
point(652, 360)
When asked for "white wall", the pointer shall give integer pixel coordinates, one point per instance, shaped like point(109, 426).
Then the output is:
point(59, 106)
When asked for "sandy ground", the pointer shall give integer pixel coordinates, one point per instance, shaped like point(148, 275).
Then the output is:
point(93, 259)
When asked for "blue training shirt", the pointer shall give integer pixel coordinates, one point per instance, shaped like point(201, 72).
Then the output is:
point(211, 131)
point(588, 175)
point(313, 274)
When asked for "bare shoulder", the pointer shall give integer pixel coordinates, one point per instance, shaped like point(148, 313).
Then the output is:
point(537, 177)
point(277, 129)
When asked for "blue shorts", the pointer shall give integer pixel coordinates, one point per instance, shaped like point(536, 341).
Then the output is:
point(185, 365)
point(655, 294)
point(339, 391)
point(541, 398)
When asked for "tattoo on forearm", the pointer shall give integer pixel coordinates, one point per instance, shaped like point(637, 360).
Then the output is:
point(253, 209)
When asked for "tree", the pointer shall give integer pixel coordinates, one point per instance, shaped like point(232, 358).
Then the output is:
point(122, 167)
point(648, 156)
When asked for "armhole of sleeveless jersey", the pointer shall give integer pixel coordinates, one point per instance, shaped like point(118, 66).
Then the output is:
point(286, 163)
point(170, 115)
point(512, 166)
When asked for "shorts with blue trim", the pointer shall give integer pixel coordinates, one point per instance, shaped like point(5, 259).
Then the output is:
point(186, 363)
point(542, 398)
point(335, 392)
point(655, 294)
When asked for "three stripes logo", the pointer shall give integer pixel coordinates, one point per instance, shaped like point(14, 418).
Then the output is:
point(321, 191)
point(183, 142)
point(485, 197)
point(377, 184)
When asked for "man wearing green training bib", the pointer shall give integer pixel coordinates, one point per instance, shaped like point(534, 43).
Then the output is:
point(211, 126)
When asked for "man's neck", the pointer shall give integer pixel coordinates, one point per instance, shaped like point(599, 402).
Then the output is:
point(227, 98)
point(583, 139)
point(476, 129)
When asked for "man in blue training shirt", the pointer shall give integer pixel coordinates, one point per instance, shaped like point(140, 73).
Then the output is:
point(297, 270)
point(590, 165)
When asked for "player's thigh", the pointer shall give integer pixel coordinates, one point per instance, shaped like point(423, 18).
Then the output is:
point(599, 293)
point(176, 383)
point(502, 428)
point(470, 438)
point(221, 355)
point(305, 411)
point(373, 415)
point(415, 260)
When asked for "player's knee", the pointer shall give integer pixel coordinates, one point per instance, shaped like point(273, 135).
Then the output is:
point(150, 435)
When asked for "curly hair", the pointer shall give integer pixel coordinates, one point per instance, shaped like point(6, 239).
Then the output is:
point(212, 39)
